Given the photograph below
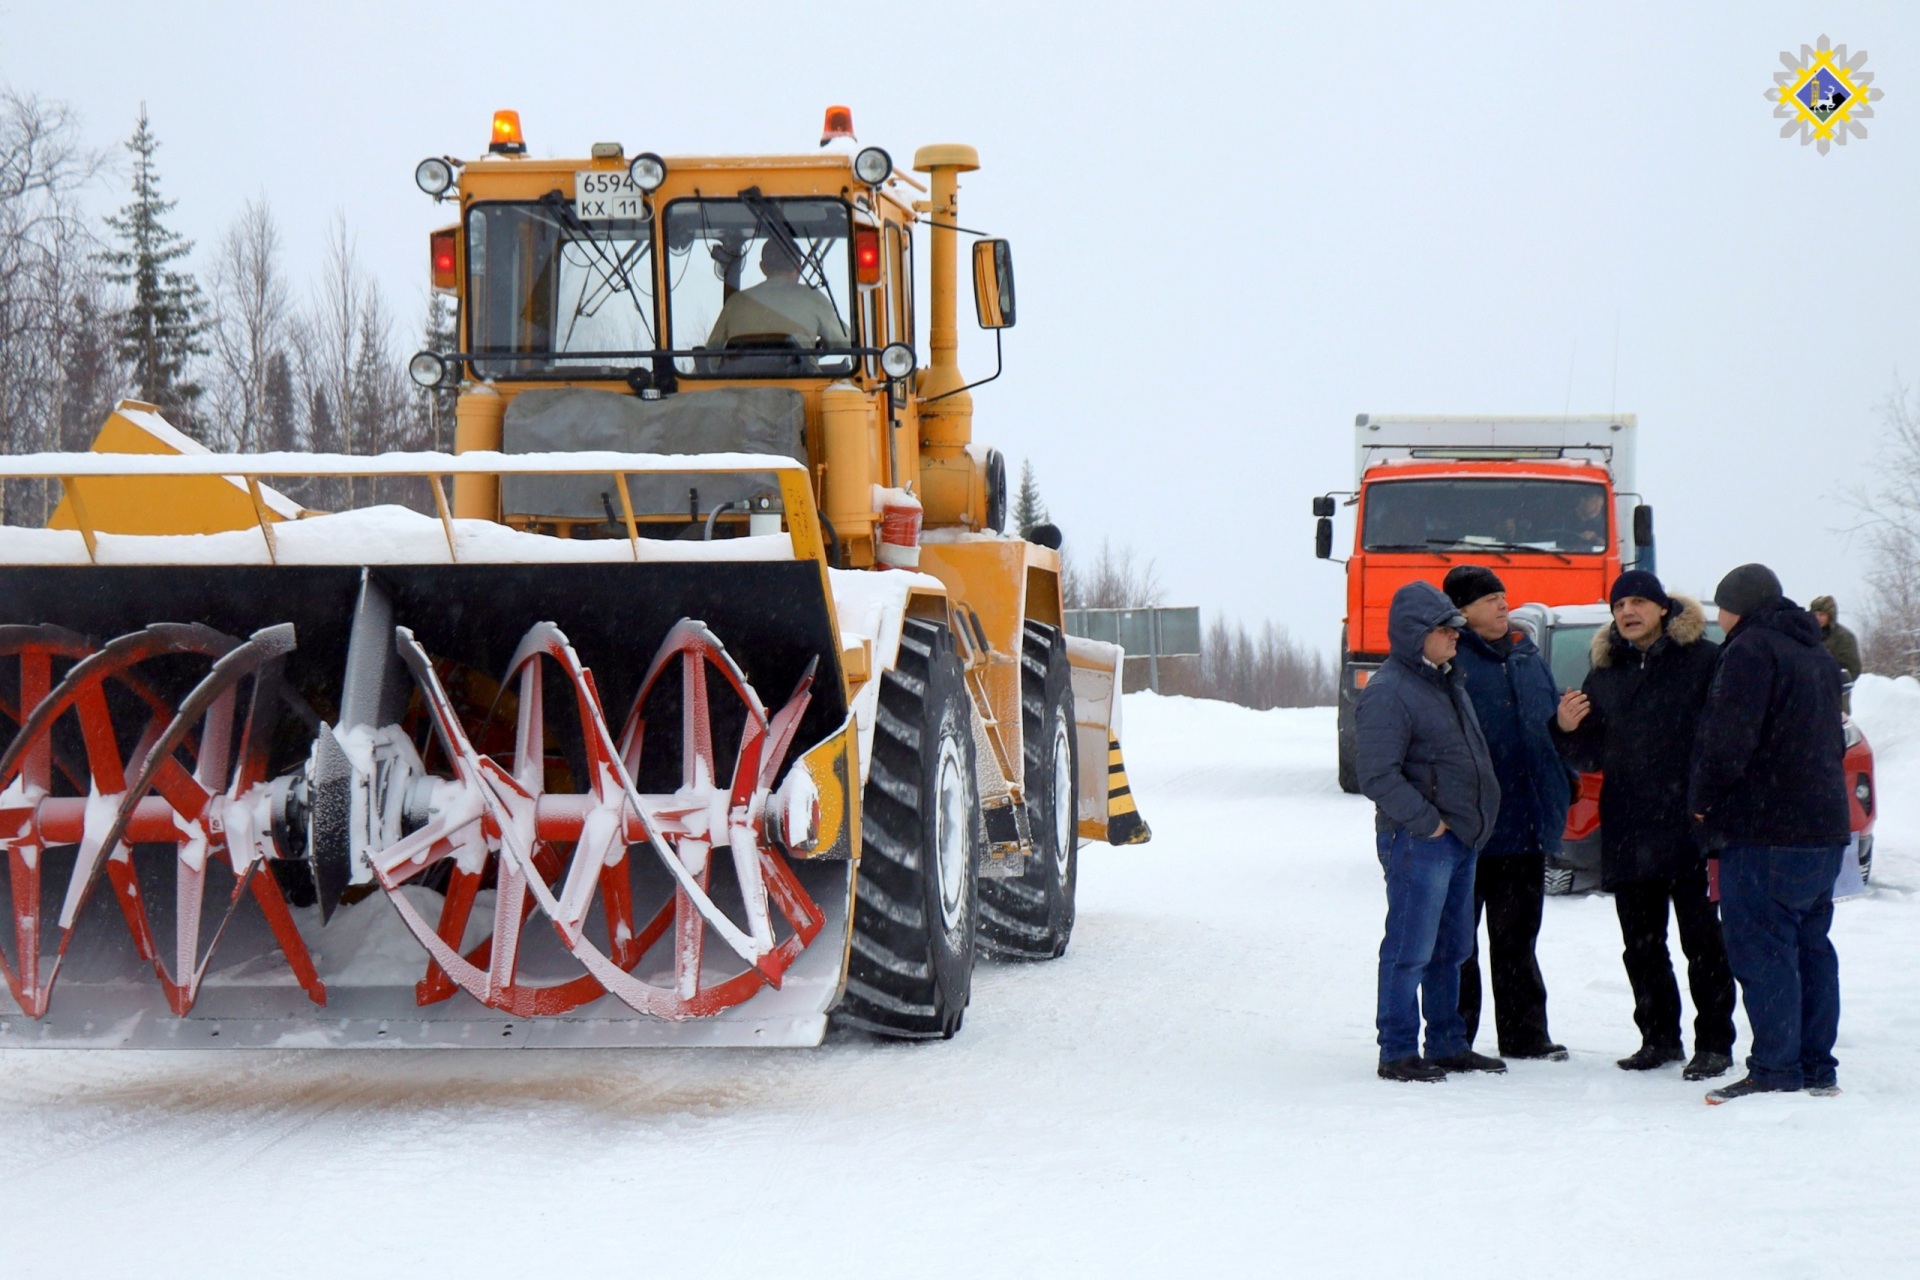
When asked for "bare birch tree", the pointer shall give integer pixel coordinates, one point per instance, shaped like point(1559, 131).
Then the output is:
point(1890, 521)
point(53, 317)
point(252, 316)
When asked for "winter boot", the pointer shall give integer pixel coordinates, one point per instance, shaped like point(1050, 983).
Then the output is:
point(1831, 1089)
point(1468, 1060)
point(1707, 1065)
point(1649, 1056)
point(1412, 1071)
point(1744, 1087)
point(1545, 1051)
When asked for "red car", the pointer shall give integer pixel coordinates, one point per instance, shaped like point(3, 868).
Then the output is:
point(1565, 635)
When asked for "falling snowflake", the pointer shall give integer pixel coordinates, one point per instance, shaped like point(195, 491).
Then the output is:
point(1823, 94)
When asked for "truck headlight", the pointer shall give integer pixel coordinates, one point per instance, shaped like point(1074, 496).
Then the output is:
point(873, 166)
point(648, 171)
point(433, 176)
point(427, 369)
point(896, 360)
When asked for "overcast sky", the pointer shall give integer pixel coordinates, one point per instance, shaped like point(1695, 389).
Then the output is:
point(1236, 225)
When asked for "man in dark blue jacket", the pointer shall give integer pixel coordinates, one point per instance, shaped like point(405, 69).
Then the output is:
point(1769, 791)
point(1513, 697)
point(1422, 760)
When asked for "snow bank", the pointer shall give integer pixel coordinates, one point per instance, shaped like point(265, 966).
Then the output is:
point(1888, 712)
point(373, 535)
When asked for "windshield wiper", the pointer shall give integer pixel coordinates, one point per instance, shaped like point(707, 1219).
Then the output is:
point(1498, 547)
point(1406, 546)
point(767, 216)
point(612, 267)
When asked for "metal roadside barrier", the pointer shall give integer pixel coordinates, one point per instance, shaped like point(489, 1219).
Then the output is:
point(1152, 633)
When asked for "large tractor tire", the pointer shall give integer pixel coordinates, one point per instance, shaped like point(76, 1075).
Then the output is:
point(916, 908)
point(1030, 916)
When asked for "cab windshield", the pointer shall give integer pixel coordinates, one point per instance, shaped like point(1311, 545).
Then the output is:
point(1550, 516)
point(565, 297)
point(759, 287)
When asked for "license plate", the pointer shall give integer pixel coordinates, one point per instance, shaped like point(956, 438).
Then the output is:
point(600, 194)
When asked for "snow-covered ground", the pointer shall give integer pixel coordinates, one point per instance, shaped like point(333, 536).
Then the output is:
point(1189, 1091)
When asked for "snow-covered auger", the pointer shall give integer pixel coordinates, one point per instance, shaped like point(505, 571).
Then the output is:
point(696, 698)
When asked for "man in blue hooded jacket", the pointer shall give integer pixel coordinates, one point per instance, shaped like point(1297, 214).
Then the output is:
point(1514, 697)
point(1423, 762)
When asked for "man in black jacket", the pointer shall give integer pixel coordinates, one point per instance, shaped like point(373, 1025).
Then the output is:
point(1424, 764)
point(1513, 698)
point(1769, 791)
point(1634, 720)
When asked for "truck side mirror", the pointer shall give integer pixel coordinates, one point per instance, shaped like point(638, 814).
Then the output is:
point(1323, 538)
point(1323, 507)
point(1643, 525)
point(993, 283)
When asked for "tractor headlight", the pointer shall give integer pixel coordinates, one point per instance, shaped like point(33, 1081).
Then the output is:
point(433, 176)
point(427, 369)
point(648, 171)
point(896, 360)
point(873, 166)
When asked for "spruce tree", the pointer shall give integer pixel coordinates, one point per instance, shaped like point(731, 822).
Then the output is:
point(1028, 509)
point(164, 325)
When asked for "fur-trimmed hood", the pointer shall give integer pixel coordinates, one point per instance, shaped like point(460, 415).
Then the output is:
point(1685, 625)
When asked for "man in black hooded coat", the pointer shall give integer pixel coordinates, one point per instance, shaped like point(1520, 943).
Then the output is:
point(1769, 790)
point(1634, 720)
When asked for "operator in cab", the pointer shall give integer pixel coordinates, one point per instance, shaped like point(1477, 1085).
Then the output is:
point(778, 307)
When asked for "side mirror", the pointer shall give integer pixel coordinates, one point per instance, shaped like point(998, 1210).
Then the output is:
point(993, 283)
point(1643, 525)
point(1323, 507)
point(1323, 538)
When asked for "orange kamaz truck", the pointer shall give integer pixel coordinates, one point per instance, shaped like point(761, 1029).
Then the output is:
point(1546, 503)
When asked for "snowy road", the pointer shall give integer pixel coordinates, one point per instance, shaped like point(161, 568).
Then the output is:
point(1189, 1092)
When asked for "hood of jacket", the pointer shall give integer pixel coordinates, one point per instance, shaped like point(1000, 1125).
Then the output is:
point(1685, 625)
point(1787, 618)
point(1418, 608)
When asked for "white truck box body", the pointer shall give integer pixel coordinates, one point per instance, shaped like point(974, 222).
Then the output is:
point(1606, 440)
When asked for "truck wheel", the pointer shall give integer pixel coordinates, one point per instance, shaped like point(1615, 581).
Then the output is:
point(1349, 771)
point(1030, 916)
point(916, 903)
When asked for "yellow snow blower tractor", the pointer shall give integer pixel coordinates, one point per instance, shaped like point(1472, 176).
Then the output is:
point(279, 775)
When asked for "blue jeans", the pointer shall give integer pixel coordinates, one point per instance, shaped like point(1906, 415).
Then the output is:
point(1776, 905)
point(1429, 935)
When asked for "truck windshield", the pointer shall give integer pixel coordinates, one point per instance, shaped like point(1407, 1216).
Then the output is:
point(755, 282)
point(575, 297)
point(1549, 516)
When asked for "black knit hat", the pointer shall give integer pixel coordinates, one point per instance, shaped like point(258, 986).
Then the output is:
point(1747, 588)
point(1466, 583)
point(1642, 583)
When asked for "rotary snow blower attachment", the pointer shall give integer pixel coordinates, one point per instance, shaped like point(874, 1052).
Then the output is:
point(565, 785)
point(697, 697)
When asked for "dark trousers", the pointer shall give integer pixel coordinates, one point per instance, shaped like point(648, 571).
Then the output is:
point(1642, 907)
point(1779, 906)
point(1510, 889)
